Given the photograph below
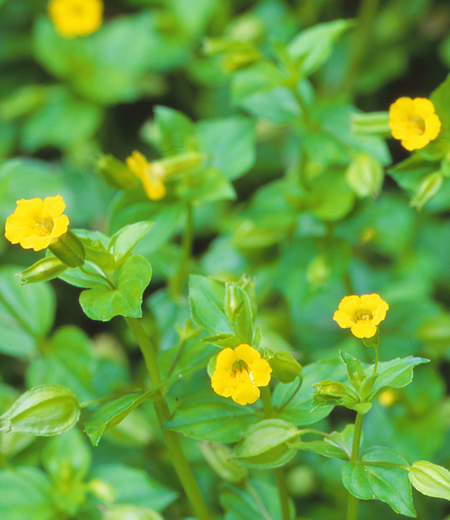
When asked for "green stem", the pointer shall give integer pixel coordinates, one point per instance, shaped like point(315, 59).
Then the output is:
point(98, 275)
point(353, 502)
point(358, 44)
point(186, 244)
point(171, 439)
point(377, 357)
point(266, 398)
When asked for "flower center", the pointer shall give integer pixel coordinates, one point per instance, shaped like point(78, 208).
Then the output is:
point(240, 368)
point(46, 225)
point(418, 124)
point(363, 315)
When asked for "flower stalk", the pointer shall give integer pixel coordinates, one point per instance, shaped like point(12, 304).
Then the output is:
point(171, 438)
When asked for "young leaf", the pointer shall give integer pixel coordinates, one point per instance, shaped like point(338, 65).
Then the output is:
point(131, 279)
point(324, 448)
point(356, 372)
point(111, 414)
point(396, 373)
point(389, 484)
point(123, 242)
point(430, 479)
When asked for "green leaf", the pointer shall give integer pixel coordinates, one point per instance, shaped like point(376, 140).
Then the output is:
point(313, 46)
point(135, 487)
point(26, 494)
point(396, 373)
point(110, 414)
point(26, 314)
point(324, 448)
point(131, 279)
point(230, 143)
point(124, 241)
point(356, 372)
point(265, 444)
point(389, 484)
point(207, 185)
point(298, 411)
point(206, 298)
point(69, 361)
point(67, 457)
point(212, 418)
point(256, 501)
point(430, 479)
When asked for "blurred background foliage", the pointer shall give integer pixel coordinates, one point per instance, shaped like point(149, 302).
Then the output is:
point(286, 201)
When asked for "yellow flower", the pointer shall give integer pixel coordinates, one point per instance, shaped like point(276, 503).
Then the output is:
point(76, 17)
point(387, 398)
point(37, 223)
point(239, 373)
point(150, 174)
point(414, 122)
point(362, 314)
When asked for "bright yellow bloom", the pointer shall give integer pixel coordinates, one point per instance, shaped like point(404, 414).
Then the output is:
point(76, 17)
point(37, 223)
point(414, 122)
point(150, 174)
point(387, 398)
point(239, 373)
point(362, 314)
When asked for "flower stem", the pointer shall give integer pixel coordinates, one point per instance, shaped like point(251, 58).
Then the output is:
point(266, 398)
point(171, 439)
point(353, 502)
point(180, 277)
point(377, 357)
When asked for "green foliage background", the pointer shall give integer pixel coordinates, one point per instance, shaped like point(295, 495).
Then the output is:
point(272, 112)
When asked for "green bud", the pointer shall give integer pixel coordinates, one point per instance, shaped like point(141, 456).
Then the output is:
point(284, 367)
point(115, 173)
point(181, 163)
point(430, 479)
point(44, 410)
point(365, 175)
point(43, 270)
point(328, 388)
point(219, 457)
point(104, 491)
point(129, 512)
point(318, 272)
point(69, 249)
point(375, 123)
point(427, 190)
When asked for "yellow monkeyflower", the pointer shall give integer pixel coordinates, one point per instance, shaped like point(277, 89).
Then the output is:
point(414, 122)
point(387, 398)
point(37, 223)
point(239, 373)
point(150, 174)
point(362, 314)
point(76, 17)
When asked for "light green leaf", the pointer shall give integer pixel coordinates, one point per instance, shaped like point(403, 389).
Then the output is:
point(135, 487)
point(396, 373)
point(389, 484)
point(313, 46)
point(230, 143)
point(324, 448)
point(206, 298)
point(26, 494)
point(26, 314)
point(356, 372)
point(212, 418)
point(131, 279)
point(124, 241)
point(110, 414)
point(430, 479)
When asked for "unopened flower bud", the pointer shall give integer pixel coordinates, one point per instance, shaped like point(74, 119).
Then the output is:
point(44, 410)
point(365, 175)
point(221, 460)
point(374, 123)
point(427, 190)
point(43, 270)
point(116, 173)
point(284, 367)
point(69, 249)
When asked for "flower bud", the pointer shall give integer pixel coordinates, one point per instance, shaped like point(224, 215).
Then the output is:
point(44, 410)
point(365, 175)
point(180, 163)
point(221, 460)
point(69, 249)
point(375, 123)
point(328, 388)
point(427, 190)
point(284, 367)
point(115, 173)
point(43, 270)
point(430, 479)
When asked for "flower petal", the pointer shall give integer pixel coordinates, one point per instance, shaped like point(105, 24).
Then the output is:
point(223, 383)
point(260, 372)
point(245, 391)
point(225, 359)
point(364, 330)
point(343, 319)
point(247, 354)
